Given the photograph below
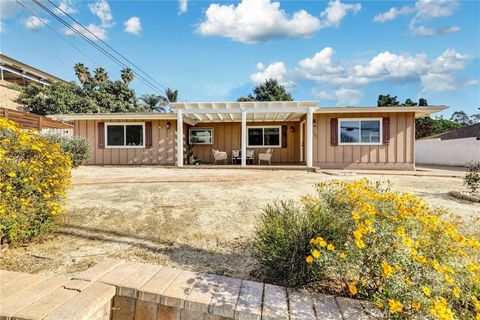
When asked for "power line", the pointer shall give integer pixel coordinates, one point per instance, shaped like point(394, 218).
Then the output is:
point(106, 44)
point(102, 50)
point(57, 33)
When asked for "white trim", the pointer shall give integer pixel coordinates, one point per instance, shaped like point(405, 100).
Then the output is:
point(340, 143)
point(180, 138)
point(244, 138)
point(124, 124)
point(263, 137)
point(309, 153)
point(202, 128)
point(302, 139)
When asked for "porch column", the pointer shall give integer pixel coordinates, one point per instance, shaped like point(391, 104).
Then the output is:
point(179, 138)
point(244, 138)
point(309, 141)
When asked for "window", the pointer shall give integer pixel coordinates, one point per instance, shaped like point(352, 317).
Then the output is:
point(264, 136)
point(200, 136)
point(360, 131)
point(122, 135)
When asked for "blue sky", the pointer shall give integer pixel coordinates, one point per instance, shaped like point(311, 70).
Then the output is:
point(337, 52)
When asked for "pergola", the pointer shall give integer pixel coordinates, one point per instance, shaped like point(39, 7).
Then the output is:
point(195, 112)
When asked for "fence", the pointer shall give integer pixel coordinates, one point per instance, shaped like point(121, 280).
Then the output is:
point(454, 152)
point(33, 121)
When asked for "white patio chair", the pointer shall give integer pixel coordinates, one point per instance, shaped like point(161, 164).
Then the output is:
point(250, 156)
point(235, 156)
point(267, 156)
point(219, 155)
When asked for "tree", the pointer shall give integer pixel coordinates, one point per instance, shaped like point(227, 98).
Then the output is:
point(245, 99)
point(425, 127)
point(82, 73)
point(461, 118)
point(422, 102)
point(387, 101)
point(100, 75)
point(151, 102)
point(409, 103)
point(127, 75)
point(270, 90)
point(171, 95)
point(94, 94)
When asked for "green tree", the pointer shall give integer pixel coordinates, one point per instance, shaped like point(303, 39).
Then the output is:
point(422, 102)
point(461, 118)
point(151, 102)
point(245, 99)
point(387, 101)
point(171, 95)
point(127, 75)
point(425, 127)
point(94, 94)
point(270, 90)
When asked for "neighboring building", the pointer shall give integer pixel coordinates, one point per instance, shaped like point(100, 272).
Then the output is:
point(14, 74)
point(452, 148)
point(297, 133)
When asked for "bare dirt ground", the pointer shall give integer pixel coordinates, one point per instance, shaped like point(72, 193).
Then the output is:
point(195, 219)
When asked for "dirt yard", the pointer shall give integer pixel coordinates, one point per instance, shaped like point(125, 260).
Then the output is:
point(194, 219)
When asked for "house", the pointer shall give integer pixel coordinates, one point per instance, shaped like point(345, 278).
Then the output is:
point(451, 148)
point(297, 132)
point(14, 74)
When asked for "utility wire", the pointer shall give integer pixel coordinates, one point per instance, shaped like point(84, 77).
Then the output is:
point(56, 32)
point(84, 37)
point(106, 44)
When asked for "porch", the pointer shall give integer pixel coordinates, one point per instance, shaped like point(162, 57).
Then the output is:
point(243, 131)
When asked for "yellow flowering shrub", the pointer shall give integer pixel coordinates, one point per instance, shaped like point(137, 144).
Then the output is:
point(412, 260)
point(34, 177)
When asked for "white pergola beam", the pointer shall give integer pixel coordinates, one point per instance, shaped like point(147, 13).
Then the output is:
point(309, 138)
point(244, 138)
point(256, 110)
point(179, 138)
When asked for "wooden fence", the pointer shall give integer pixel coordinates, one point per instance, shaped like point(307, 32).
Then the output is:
point(33, 121)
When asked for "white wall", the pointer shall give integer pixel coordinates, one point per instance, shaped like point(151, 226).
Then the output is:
point(63, 132)
point(447, 152)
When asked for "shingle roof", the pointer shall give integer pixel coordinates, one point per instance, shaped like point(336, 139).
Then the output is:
point(472, 131)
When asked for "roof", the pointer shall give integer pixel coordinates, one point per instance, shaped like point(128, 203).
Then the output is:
point(18, 66)
point(472, 131)
point(115, 116)
point(243, 105)
point(420, 112)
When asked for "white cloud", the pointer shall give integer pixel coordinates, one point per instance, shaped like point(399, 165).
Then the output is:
point(336, 11)
point(133, 26)
point(277, 71)
point(424, 11)
point(393, 13)
point(33, 23)
point(96, 30)
point(102, 10)
point(182, 6)
point(253, 21)
point(65, 7)
point(345, 80)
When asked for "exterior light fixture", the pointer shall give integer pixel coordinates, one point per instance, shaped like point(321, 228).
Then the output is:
point(314, 123)
point(168, 124)
point(292, 129)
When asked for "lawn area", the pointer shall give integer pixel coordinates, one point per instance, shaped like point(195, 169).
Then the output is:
point(201, 220)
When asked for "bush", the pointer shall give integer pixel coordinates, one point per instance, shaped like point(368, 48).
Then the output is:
point(472, 178)
point(78, 148)
point(34, 176)
point(412, 260)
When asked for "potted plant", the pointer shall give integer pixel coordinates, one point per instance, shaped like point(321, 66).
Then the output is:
point(190, 147)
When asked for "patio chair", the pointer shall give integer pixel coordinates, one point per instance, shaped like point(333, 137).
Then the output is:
point(267, 156)
point(250, 156)
point(235, 156)
point(219, 156)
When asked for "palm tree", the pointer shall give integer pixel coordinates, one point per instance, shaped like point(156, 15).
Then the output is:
point(127, 75)
point(101, 75)
point(82, 72)
point(171, 95)
point(150, 102)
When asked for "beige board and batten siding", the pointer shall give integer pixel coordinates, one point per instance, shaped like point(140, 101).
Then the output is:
point(227, 137)
point(397, 154)
point(162, 150)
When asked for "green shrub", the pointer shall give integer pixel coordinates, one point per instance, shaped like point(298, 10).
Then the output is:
point(472, 178)
point(34, 177)
point(77, 147)
point(370, 243)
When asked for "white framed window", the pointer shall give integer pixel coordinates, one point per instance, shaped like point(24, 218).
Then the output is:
point(124, 135)
point(200, 136)
point(360, 131)
point(264, 136)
